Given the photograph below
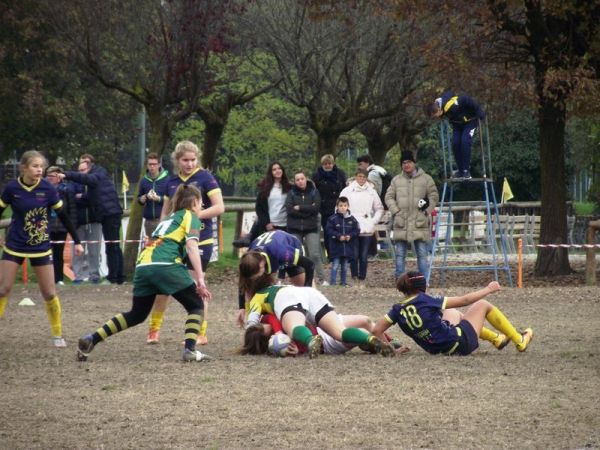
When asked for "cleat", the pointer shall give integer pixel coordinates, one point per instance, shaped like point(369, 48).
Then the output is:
point(314, 346)
point(500, 341)
point(201, 340)
point(85, 347)
point(153, 337)
point(59, 342)
point(526, 337)
point(395, 342)
point(194, 355)
point(384, 348)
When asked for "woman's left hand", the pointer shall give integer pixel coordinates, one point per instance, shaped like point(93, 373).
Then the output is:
point(79, 249)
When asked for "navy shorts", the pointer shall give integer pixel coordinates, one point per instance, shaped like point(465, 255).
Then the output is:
point(205, 254)
point(35, 261)
point(468, 341)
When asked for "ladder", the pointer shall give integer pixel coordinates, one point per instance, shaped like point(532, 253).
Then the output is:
point(494, 228)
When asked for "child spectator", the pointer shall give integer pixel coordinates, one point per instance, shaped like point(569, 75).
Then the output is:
point(343, 230)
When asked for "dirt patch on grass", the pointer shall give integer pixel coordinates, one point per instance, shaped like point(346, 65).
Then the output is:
point(131, 395)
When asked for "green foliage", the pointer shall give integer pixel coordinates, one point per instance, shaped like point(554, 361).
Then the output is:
point(586, 208)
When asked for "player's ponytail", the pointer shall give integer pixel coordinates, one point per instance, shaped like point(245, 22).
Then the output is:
point(184, 198)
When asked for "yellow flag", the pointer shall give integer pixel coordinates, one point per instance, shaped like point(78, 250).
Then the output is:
point(506, 191)
point(125, 183)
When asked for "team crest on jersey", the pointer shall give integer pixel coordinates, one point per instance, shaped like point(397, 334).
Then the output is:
point(36, 225)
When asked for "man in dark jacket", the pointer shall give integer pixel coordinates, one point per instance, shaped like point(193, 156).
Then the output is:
point(464, 114)
point(153, 187)
point(105, 205)
point(329, 181)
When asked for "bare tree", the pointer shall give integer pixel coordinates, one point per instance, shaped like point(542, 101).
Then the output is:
point(352, 64)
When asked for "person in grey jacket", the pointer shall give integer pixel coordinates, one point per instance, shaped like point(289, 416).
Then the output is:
point(411, 198)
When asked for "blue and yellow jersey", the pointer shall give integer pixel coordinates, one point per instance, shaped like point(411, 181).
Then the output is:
point(460, 109)
point(279, 248)
point(208, 186)
point(420, 317)
point(27, 234)
point(167, 244)
point(263, 302)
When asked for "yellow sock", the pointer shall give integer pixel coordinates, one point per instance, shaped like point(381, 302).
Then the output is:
point(203, 328)
point(3, 303)
point(502, 324)
point(488, 335)
point(156, 320)
point(54, 316)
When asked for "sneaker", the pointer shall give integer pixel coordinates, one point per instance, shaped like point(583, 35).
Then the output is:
point(384, 348)
point(60, 283)
point(314, 346)
point(457, 175)
point(325, 283)
point(201, 340)
point(242, 242)
point(105, 282)
point(500, 341)
point(194, 355)
point(153, 337)
point(526, 337)
point(361, 284)
point(466, 175)
point(59, 342)
point(85, 347)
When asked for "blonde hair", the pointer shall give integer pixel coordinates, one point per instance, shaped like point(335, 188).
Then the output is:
point(29, 156)
point(184, 147)
point(329, 158)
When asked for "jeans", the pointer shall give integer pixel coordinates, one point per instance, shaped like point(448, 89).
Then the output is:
point(422, 256)
point(111, 230)
point(341, 262)
point(358, 266)
point(312, 242)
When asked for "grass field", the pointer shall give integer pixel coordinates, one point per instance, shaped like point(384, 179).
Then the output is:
point(131, 395)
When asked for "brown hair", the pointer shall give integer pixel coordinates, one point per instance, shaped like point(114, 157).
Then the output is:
point(54, 169)
point(152, 155)
point(255, 342)
point(184, 197)
point(250, 281)
point(87, 156)
point(411, 283)
point(361, 172)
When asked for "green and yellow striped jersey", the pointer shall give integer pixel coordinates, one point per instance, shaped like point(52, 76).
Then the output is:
point(167, 245)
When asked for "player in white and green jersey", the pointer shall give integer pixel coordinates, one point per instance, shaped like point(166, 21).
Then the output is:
point(160, 270)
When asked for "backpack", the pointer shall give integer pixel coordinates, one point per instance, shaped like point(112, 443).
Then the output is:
point(386, 180)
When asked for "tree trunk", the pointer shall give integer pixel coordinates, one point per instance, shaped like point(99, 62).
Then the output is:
point(212, 135)
point(160, 133)
point(553, 230)
point(326, 144)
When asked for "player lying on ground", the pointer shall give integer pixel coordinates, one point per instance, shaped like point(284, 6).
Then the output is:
point(295, 306)
point(437, 328)
point(279, 252)
point(160, 270)
point(256, 339)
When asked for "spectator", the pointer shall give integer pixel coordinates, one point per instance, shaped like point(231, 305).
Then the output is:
point(104, 201)
point(464, 115)
point(329, 181)
point(375, 172)
point(58, 231)
point(302, 204)
point(411, 198)
point(366, 207)
point(87, 265)
point(270, 204)
point(153, 187)
point(343, 230)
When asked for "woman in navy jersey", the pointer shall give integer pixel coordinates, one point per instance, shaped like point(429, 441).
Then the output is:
point(438, 327)
point(31, 197)
point(186, 161)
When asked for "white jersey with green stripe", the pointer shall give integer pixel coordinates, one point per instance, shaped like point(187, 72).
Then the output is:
point(167, 244)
